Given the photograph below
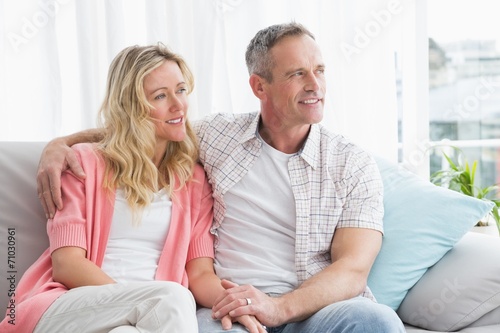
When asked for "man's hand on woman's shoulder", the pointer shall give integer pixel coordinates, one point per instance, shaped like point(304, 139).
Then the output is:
point(56, 157)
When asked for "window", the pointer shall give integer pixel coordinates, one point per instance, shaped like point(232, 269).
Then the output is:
point(464, 84)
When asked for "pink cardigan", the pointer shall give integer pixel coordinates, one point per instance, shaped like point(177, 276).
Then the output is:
point(85, 222)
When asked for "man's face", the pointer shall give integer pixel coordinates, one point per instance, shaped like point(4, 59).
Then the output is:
point(296, 95)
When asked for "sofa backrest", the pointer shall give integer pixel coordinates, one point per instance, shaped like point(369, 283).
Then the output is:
point(23, 235)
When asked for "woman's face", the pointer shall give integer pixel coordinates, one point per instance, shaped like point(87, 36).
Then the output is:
point(166, 90)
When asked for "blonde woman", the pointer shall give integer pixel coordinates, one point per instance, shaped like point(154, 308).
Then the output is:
point(134, 234)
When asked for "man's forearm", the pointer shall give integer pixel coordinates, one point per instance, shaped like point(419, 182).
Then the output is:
point(90, 135)
point(327, 287)
point(353, 252)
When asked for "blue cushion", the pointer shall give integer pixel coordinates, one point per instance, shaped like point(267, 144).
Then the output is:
point(422, 222)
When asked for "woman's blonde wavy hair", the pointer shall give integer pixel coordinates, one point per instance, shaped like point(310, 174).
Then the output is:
point(129, 140)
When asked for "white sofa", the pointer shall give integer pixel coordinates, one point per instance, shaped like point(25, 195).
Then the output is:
point(435, 297)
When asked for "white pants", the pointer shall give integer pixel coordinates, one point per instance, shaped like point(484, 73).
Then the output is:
point(157, 306)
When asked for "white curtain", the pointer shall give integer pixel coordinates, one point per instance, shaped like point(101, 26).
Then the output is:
point(55, 54)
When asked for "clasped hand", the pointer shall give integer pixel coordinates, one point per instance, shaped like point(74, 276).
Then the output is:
point(237, 301)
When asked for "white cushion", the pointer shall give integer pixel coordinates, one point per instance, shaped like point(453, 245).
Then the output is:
point(462, 288)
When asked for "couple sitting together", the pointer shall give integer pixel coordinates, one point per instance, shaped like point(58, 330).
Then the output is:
point(257, 222)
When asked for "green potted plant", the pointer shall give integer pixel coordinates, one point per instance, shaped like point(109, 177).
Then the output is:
point(460, 177)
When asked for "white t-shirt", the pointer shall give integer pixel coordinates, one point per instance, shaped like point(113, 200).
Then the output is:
point(133, 251)
point(257, 238)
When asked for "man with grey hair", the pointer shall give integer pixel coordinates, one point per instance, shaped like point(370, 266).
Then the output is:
point(298, 209)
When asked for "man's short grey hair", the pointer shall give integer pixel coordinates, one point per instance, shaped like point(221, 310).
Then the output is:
point(257, 56)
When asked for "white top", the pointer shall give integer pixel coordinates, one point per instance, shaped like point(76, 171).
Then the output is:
point(133, 252)
point(261, 248)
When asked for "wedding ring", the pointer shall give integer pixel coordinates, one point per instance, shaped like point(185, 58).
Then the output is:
point(249, 301)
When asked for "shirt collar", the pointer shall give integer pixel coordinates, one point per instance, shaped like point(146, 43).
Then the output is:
point(309, 151)
point(252, 130)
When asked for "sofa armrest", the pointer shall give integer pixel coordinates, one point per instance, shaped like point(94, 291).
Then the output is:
point(23, 235)
point(462, 288)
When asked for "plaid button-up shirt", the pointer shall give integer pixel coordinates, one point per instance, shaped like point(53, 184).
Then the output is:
point(335, 184)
